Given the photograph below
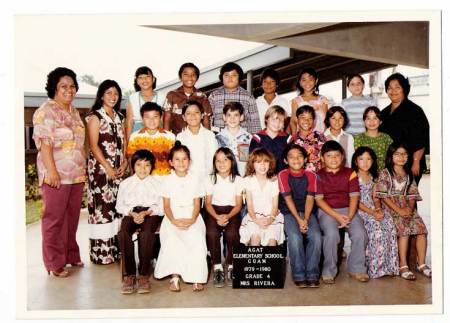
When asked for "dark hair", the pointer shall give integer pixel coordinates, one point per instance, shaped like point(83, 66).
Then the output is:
point(389, 162)
point(229, 155)
point(292, 147)
point(102, 88)
point(305, 109)
point(352, 76)
point(231, 66)
point(143, 154)
point(146, 71)
point(178, 146)
point(150, 106)
point(403, 81)
point(192, 102)
point(331, 111)
point(270, 72)
point(374, 109)
point(313, 73)
point(233, 106)
point(332, 145)
point(261, 153)
point(188, 65)
point(373, 170)
point(53, 78)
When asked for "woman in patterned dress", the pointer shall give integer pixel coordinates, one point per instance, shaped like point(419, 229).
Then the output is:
point(106, 167)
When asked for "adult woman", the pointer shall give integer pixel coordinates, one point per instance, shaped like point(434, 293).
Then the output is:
point(144, 84)
point(406, 122)
point(61, 163)
point(106, 166)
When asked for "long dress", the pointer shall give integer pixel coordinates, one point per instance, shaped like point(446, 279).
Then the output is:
point(102, 193)
point(182, 252)
point(382, 249)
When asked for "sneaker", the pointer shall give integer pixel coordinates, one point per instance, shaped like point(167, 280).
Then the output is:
point(362, 277)
point(300, 283)
point(143, 285)
point(229, 277)
point(312, 283)
point(328, 279)
point(218, 278)
point(128, 284)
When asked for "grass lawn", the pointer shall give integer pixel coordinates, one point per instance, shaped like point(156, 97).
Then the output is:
point(33, 211)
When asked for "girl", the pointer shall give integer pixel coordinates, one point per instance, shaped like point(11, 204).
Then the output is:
point(182, 232)
point(336, 120)
point(373, 138)
point(398, 191)
point(223, 205)
point(307, 85)
point(200, 141)
point(382, 250)
point(139, 202)
point(263, 224)
point(106, 167)
point(144, 84)
point(356, 103)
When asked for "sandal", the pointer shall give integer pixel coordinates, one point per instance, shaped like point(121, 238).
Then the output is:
point(424, 270)
point(407, 274)
point(174, 284)
point(197, 287)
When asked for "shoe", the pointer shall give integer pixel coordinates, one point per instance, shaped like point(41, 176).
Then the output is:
point(218, 278)
point(143, 285)
point(229, 277)
point(197, 287)
point(174, 284)
point(424, 270)
point(313, 283)
point(362, 277)
point(77, 264)
point(60, 273)
point(128, 285)
point(407, 274)
point(328, 279)
point(301, 283)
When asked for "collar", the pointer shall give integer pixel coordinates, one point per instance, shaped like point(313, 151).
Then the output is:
point(181, 90)
point(297, 174)
point(146, 130)
point(327, 132)
point(60, 107)
point(264, 132)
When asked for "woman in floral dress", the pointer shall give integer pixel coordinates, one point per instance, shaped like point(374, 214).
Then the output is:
point(106, 167)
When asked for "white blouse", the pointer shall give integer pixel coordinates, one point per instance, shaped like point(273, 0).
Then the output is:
point(224, 191)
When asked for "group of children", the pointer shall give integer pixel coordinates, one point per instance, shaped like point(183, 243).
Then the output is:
point(258, 187)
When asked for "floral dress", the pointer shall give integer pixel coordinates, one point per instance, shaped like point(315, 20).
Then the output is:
point(102, 192)
point(382, 249)
point(400, 190)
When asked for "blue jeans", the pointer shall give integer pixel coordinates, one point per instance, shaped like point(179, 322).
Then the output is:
point(304, 263)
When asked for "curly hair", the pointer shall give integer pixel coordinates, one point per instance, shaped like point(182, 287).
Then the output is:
point(261, 154)
point(53, 78)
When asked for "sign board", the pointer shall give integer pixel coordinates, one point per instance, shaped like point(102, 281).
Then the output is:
point(259, 267)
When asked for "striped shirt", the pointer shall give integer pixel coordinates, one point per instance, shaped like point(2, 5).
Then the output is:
point(355, 109)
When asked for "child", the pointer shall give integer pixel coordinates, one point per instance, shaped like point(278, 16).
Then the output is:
point(382, 251)
point(336, 121)
point(373, 138)
point(307, 85)
point(355, 105)
point(297, 188)
point(153, 138)
point(270, 80)
point(398, 191)
point(176, 99)
point(263, 224)
point(273, 138)
point(200, 141)
point(223, 205)
point(233, 135)
point(144, 84)
point(182, 233)
point(139, 202)
point(337, 198)
point(230, 76)
point(311, 140)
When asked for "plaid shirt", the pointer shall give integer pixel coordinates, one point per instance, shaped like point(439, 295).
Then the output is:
point(220, 97)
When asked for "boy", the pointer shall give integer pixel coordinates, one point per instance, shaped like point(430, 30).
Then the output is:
point(233, 136)
point(153, 138)
point(139, 202)
point(273, 138)
point(230, 76)
point(337, 198)
point(175, 100)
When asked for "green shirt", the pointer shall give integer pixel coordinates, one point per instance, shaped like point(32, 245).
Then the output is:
point(379, 145)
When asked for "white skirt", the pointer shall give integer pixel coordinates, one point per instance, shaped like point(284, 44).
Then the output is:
point(274, 231)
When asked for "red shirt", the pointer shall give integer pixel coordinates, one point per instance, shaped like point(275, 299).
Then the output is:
point(336, 188)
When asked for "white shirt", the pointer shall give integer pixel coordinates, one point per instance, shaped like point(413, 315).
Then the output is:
point(134, 191)
point(262, 196)
point(262, 106)
point(202, 147)
point(224, 191)
point(346, 141)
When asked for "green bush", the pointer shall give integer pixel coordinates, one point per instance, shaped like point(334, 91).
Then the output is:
point(32, 191)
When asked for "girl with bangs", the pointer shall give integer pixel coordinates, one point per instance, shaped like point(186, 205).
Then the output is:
point(263, 223)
